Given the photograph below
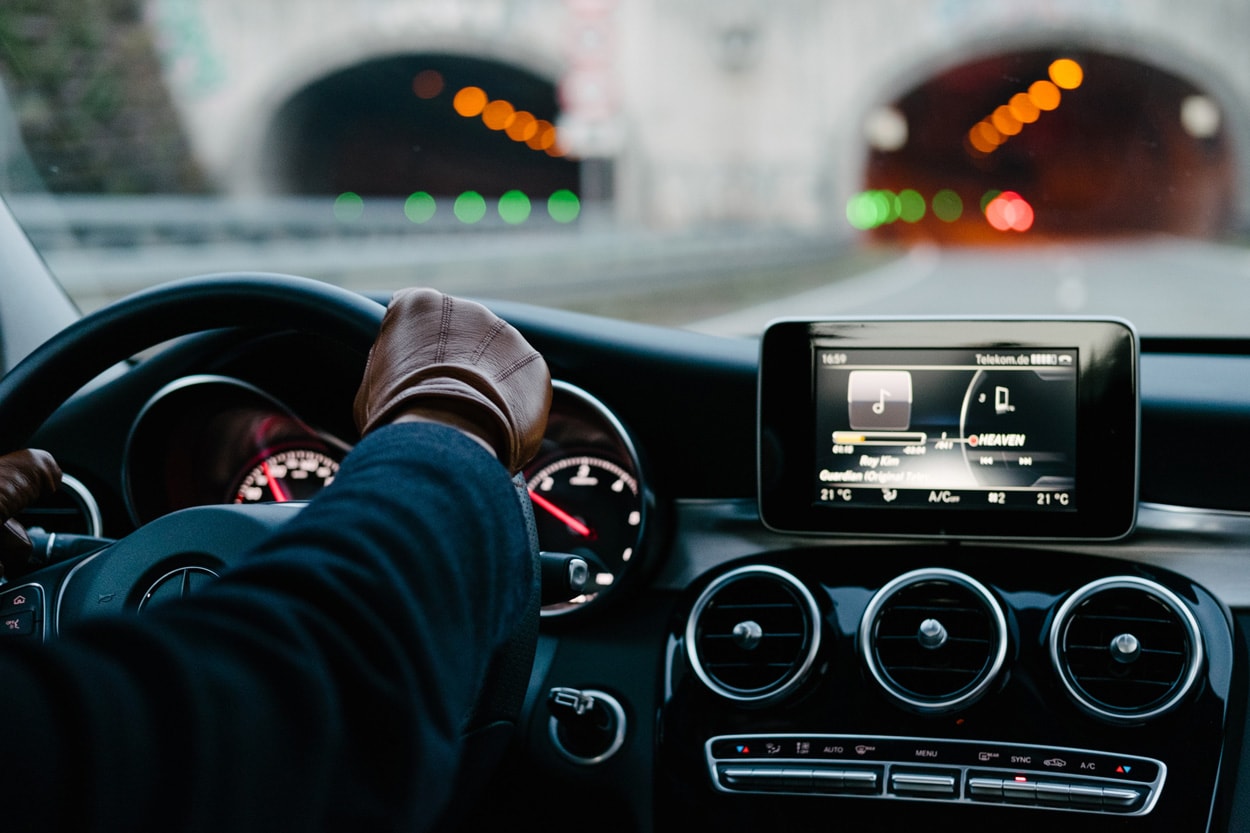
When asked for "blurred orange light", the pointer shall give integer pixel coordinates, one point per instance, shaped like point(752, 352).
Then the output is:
point(1023, 108)
point(1005, 122)
point(427, 83)
point(498, 114)
point(544, 135)
point(523, 127)
point(978, 141)
point(1066, 73)
point(1044, 95)
point(470, 101)
point(990, 133)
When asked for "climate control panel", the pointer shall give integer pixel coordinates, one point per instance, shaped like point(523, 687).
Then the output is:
point(942, 770)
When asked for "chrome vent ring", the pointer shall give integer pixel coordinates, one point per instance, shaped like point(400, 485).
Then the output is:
point(753, 634)
point(1126, 649)
point(934, 639)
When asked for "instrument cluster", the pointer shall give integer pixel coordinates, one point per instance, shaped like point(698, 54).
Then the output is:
point(211, 439)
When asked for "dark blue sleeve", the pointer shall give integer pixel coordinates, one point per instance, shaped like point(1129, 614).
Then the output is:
point(322, 685)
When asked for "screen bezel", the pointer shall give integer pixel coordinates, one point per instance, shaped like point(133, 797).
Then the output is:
point(1107, 427)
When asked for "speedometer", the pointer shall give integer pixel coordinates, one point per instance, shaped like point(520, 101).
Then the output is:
point(291, 474)
point(589, 496)
point(590, 507)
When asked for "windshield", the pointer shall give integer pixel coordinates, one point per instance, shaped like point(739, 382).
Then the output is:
point(709, 165)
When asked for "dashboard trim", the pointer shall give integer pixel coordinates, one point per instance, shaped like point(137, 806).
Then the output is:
point(1209, 547)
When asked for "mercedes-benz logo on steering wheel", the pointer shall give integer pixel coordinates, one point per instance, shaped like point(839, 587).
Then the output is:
point(176, 584)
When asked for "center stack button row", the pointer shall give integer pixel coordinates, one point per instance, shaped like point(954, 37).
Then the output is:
point(987, 787)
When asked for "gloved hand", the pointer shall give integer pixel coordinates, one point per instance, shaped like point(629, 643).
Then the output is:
point(25, 476)
point(449, 360)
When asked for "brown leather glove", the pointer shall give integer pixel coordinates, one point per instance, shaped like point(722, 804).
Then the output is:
point(450, 360)
point(25, 476)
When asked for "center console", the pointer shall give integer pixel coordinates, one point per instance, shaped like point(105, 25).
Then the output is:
point(1080, 692)
point(961, 660)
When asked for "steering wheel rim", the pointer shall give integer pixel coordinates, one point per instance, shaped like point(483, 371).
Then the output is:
point(58, 368)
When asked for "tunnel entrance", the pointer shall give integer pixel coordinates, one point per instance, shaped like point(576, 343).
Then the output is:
point(1047, 144)
point(395, 126)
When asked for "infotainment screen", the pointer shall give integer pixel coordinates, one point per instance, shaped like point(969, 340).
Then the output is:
point(968, 429)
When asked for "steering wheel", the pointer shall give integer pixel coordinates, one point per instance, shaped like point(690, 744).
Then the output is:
point(44, 380)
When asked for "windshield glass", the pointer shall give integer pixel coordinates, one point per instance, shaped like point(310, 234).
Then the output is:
point(698, 163)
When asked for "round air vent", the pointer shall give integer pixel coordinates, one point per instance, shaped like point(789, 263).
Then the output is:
point(753, 634)
point(1126, 649)
point(934, 639)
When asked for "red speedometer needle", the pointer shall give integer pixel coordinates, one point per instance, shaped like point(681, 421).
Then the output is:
point(279, 494)
point(564, 517)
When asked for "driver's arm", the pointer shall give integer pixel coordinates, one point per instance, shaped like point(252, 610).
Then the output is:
point(323, 684)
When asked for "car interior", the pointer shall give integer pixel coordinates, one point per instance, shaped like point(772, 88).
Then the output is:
point(885, 569)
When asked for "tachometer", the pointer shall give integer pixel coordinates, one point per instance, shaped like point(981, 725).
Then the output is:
point(291, 474)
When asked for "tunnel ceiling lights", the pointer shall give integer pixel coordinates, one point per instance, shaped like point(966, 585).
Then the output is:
point(500, 115)
point(1024, 108)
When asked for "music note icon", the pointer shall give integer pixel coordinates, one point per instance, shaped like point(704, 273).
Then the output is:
point(879, 400)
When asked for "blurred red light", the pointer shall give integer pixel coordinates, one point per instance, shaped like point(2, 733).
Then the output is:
point(1009, 212)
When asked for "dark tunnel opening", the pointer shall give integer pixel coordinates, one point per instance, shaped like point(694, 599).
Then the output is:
point(390, 127)
point(1111, 147)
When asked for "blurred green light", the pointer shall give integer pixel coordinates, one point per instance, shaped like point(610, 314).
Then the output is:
point(893, 205)
point(989, 197)
point(564, 206)
point(420, 207)
point(348, 207)
point(887, 205)
point(861, 211)
point(910, 206)
point(470, 207)
point(514, 207)
point(947, 206)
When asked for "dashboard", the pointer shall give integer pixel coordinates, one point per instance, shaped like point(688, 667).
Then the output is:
point(741, 676)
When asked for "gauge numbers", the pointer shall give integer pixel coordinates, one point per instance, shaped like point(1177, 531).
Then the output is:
point(590, 507)
point(293, 474)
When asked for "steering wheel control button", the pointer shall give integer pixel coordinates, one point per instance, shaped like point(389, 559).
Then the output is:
point(21, 611)
point(18, 624)
point(933, 769)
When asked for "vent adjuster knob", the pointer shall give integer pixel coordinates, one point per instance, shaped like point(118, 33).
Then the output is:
point(931, 634)
point(1125, 648)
